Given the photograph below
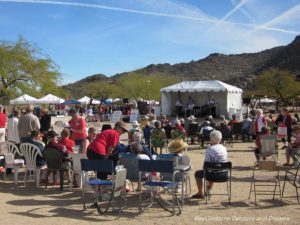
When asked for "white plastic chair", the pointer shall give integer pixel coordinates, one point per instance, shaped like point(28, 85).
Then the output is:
point(30, 153)
point(9, 151)
point(76, 168)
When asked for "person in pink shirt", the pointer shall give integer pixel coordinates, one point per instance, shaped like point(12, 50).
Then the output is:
point(77, 127)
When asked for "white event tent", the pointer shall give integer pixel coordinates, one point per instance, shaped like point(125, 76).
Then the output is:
point(50, 99)
point(23, 100)
point(228, 98)
point(86, 100)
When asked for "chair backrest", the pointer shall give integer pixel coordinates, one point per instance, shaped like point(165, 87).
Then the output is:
point(30, 153)
point(168, 130)
point(268, 145)
point(130, 162)
point(206, 133)
point(97, 165)
point(76, 157)
point(226, 132)
point(161, 166)
point(9, 147)
point(54, 158)
point(219, 166)
point(169, 157)
point(237, 128)
point(192, 129)
point(217, 172)
point(119, 184)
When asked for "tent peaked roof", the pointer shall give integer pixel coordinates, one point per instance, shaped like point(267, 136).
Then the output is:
point(50, 99)
point(202, 86)
point(24, 99)
point(86, 100)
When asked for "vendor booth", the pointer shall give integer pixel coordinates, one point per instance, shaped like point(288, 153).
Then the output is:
point(201, 98)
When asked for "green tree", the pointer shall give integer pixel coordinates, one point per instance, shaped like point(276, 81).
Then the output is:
point(278, 83)
point(25, 69)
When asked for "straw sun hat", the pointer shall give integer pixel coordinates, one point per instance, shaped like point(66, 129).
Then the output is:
point(177, 145)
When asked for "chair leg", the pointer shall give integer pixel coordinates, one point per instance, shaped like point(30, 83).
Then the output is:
point(4, 175)
point(37, 178)
point(297, 195)
point(61, 173)
point(279, 191)
point(250, 189)
point(254, 192)
point(283, 186)
point(274, 190)
point(16, 173)
point(25, 177)
point(46, 183)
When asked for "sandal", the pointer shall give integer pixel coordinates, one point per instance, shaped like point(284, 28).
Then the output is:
point(198, 196)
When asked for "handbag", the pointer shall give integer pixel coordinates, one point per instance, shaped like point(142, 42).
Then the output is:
point(282, 130)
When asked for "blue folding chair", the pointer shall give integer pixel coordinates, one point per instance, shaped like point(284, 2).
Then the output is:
point(183, 167)
point(158, 188)
point(105, 191)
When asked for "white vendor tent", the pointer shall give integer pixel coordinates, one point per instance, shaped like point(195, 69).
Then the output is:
point(23, 100)
point(228, 98)
point(50, 99)
point(86, 100)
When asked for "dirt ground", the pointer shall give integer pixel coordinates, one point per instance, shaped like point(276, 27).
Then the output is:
point(31, 205)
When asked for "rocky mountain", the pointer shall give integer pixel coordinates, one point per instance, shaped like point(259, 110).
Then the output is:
point(236, 69)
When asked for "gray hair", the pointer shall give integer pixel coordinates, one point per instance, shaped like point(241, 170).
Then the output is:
point(215, 137)
point(222, 117)
point(137, 136)
point(260, 111)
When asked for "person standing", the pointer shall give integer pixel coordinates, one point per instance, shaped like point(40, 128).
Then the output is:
point(27, 123)
point(12, 128)
point(104, 144)
point(45, 121)
point(288, 121)
point(3, 124)
point(260, 122)
point(77, 127)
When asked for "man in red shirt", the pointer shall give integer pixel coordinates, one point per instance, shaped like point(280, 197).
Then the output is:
point(3, 124)
point(104, 144)
point(77, 127)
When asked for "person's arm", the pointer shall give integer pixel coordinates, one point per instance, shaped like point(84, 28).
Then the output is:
point(84, 145)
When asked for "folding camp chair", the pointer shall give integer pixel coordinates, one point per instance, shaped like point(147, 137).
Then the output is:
point(193, 128)
point(237, 130)
point(153, 187)
point(105, 191)
point(130, 162)
point(218, 173)
point(269, 146)
point(264, 179)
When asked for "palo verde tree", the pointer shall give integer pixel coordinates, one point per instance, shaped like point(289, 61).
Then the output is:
point(278, 83)
point(25, 69)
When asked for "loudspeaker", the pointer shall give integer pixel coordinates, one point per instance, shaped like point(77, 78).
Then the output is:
point(246, 101)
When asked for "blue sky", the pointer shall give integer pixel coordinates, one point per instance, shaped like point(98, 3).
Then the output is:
point(114, 36)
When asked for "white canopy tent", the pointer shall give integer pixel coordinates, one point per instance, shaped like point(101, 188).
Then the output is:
point(50, 99)
point(86, 100)
point(228, 98)
point(23, 100)
point(266, 100)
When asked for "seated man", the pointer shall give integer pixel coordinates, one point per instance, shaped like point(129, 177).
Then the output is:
point(215, 153)
point(53, 144)
point(137, 138)
point(205, 131)
point(36, 139)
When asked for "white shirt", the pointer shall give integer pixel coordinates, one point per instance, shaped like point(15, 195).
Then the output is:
point(12, 130)
point(143, 157)
point(178, 103)
point(216, 153)
point(207, 127)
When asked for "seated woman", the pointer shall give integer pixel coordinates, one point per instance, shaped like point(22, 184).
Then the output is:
point(137, 138)
point(264, 131)
point(215, 153)
point(176, 147)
